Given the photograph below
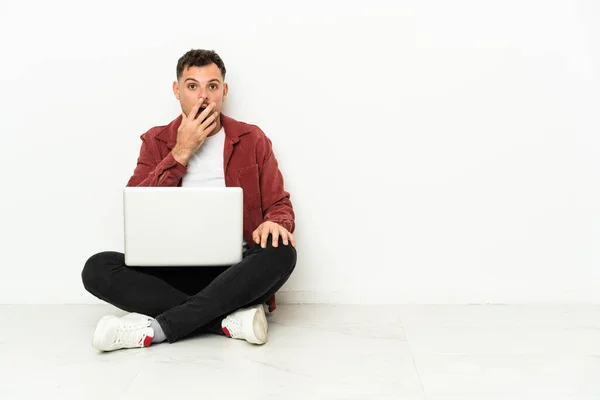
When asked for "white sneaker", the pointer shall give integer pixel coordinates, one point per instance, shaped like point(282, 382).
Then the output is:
point(249, 324)
point(114, 333)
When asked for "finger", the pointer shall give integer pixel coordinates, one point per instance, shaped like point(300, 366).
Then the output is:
point(264, 237)
point(292, 239)
point(196, 107)
point(256, 236)
point(211, 120)
point(204, 112)
point(208, 130)
point(275, 237)
point(284, 236)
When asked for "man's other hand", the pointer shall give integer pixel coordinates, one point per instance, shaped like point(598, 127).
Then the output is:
point(261, 234)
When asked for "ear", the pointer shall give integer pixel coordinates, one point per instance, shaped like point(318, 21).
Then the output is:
point(176, 89)
point(225, 90)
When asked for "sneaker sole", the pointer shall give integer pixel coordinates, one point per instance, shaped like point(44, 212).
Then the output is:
point(257, 321)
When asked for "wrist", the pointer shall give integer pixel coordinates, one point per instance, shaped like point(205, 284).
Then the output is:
point(182, 156)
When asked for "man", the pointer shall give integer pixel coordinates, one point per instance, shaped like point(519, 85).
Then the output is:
point(202, 147)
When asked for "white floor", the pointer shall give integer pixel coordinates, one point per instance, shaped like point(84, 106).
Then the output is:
point(316, 352)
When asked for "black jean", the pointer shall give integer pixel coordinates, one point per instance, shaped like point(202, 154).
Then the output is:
point(190, 300)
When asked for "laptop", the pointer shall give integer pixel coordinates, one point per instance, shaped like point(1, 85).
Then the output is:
point(176, 226)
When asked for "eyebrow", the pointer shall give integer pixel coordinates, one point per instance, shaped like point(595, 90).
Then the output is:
point(212, 80)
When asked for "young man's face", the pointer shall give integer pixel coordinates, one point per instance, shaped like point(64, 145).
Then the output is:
point(200, 82)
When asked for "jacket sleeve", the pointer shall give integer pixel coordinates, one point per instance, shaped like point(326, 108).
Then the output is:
point(276, 203)
point(153, 170)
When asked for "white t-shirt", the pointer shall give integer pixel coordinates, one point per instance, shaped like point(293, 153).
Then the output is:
point(205, 166)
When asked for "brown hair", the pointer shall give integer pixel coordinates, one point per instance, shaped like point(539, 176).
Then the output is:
point(199, 58)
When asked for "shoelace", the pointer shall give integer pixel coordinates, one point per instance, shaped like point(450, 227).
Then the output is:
point(131, 335)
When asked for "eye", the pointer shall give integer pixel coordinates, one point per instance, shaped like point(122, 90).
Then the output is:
point(213, 86)
point(191, 86)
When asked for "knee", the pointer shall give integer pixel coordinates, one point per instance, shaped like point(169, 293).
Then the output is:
point(96, 269)
point(285, 255)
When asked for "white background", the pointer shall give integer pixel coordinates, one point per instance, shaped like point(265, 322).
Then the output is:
point(436, 152)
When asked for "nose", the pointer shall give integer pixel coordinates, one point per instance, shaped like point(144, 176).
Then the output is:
point(203, 93)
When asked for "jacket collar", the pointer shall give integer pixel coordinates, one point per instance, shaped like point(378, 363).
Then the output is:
point(233, 130)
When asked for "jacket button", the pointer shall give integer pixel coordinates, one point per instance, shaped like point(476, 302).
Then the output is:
point(170, 163)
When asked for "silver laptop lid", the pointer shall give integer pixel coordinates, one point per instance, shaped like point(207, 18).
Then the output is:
point(175, 226)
